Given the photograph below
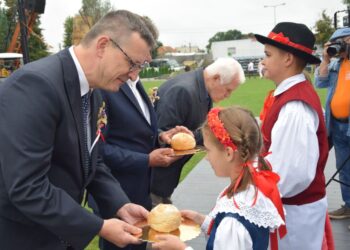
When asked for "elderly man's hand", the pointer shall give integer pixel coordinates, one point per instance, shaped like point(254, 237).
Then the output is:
point(162, 157)
point(167, 135)
point(119, 232)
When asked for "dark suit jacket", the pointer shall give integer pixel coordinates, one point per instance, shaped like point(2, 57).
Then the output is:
point(183, 100)
point(41, 161)
point(129, 140)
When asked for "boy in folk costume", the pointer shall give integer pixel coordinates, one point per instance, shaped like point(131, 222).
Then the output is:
point(295, 134)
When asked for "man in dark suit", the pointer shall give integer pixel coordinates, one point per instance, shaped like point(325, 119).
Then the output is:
point(185, 100)
point(131, 144)
point(47, 155)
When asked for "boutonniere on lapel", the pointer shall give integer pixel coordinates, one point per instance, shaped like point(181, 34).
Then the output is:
point(101, 123)
point(153, 95)
point(102, 116)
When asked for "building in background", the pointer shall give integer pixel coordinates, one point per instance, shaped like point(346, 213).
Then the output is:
point(188, 49)
point(162, 50)
point(243, 50)
point(237, 49)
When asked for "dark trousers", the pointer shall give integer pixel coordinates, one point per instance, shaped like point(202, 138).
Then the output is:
point(341, 144)
point(165, 180)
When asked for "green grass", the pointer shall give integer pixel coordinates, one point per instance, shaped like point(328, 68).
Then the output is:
point(93, 244)
point(250, 95)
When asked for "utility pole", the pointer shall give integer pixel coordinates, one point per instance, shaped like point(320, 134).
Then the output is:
point(24, 35)
point(274, 10)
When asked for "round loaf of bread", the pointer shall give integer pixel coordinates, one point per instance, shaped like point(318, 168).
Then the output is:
point(182, 141)
point(164, 218)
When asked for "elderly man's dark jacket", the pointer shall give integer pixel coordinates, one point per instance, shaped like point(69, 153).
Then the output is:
point(185, 101)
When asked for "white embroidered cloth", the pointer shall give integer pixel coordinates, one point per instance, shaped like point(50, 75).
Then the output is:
point(263, 213)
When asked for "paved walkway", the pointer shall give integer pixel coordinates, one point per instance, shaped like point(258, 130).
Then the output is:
point(200, 188)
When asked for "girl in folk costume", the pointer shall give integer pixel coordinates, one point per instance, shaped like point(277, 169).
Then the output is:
point(250, 207)
point(294, 132)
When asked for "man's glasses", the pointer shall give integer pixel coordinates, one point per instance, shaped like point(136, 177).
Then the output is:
point(133, 66)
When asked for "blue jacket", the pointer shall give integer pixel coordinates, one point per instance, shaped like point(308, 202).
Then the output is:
point(330, 82)
point(129, 140)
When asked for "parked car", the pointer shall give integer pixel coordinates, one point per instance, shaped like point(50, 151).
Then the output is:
point(164, 62)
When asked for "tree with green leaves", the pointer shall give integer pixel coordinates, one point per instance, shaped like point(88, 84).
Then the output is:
point(10, 12)
point(226, 36)
point(95, 9)
point(3, 29)
point(68, 31)
point(154, 52)
point(36, 44)
point(91, 11)
point(324, 28)
point(347, 2)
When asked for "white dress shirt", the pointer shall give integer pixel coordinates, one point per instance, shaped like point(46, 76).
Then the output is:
point(141, 102)
point(84, 89)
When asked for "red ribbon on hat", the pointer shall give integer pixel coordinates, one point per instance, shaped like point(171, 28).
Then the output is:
point(285, 40)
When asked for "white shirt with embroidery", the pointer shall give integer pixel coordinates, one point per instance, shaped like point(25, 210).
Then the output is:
point(230, 231)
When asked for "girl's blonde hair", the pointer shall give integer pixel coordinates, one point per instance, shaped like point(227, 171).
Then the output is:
point(245, 133)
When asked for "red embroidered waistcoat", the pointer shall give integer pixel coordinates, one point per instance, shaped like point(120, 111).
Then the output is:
point(305, 92)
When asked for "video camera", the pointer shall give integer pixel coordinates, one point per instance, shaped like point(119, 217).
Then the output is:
point(338, 45)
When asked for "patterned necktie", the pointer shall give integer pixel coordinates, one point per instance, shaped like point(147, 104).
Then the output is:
point(85, 102)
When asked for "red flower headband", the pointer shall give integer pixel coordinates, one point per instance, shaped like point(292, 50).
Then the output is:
point(218, 129)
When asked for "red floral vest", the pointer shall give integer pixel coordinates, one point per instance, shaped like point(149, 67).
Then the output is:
point(305, 92)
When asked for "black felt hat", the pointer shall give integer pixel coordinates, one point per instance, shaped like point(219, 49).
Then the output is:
point(295, 38)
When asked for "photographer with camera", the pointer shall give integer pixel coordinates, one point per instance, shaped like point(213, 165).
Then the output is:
point(334, 74)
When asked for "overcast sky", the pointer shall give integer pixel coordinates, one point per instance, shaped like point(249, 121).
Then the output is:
point(184, 22)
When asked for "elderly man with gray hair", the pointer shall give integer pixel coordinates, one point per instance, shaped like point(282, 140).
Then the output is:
point(185, 100)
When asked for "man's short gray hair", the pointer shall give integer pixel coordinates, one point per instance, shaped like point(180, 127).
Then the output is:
point(227, 68)
point(120, 25)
